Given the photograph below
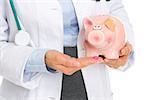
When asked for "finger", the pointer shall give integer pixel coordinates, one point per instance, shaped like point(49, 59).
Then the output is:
point(66, 70)
point(72, 62)
point(116, 62)
point(68, 61)
point(123, 58)
point(121, 61)
point(66, 56)
point(85, 61)
point(126, 50)
point(130, 46)
point(110, 61)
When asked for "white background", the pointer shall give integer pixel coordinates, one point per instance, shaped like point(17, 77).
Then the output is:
point(135, 83)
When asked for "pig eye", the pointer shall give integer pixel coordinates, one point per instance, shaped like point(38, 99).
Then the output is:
point(97, 27)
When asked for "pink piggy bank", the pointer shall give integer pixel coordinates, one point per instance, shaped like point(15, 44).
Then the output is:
point(103, 36)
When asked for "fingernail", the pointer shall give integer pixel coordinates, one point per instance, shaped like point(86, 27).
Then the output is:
point(95, 58)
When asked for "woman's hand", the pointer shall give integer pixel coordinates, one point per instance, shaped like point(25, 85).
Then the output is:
point(124, 53)
point(66, 64)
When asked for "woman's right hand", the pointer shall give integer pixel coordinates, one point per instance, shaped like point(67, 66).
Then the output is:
point(67, 64)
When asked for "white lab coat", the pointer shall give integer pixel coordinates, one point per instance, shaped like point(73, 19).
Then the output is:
point(42, 19)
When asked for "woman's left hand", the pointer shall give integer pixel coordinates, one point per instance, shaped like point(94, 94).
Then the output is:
point(123, 57)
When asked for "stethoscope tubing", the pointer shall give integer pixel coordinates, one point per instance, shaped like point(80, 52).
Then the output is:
point(15, 14)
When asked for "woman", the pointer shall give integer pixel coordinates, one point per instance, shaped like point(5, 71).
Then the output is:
point(55, 68)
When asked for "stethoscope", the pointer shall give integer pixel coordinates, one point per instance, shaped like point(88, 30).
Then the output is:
point(22, 38)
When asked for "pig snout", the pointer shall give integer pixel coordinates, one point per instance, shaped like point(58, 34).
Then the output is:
point(96, 38)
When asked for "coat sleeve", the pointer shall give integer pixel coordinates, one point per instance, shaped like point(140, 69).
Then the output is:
point(117, 9)
point(13, 58)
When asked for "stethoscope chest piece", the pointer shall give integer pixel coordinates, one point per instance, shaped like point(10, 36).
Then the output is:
point(22, 38)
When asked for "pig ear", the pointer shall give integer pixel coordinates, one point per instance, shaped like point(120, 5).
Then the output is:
point(87, 22)
point(110, 24)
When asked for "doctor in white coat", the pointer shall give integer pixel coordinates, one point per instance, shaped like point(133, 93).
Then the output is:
point(43, 21)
